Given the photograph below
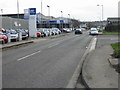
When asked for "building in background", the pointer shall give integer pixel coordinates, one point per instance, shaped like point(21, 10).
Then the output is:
point(45, 21)
point(113, 24)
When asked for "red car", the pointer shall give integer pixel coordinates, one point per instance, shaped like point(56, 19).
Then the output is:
point(38, 34)
point(2, 30)
point(3, 37)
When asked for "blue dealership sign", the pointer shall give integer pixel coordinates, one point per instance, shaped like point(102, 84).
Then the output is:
point(32, 11)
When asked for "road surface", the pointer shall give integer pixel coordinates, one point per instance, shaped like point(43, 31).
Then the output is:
point(47, 64)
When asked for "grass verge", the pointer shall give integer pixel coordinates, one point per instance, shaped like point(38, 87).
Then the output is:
point(116, 48)
point(105, 32)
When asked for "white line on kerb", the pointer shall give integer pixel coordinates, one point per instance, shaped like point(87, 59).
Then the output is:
point(93, 44)
point(28, 56)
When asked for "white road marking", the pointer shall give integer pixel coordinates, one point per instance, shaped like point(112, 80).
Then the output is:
point(93, 44)
point(28, 56)
point(53, 45)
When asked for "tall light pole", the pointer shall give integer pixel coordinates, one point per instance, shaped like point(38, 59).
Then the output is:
point(49, 14)
point(102, 11)
point(61, 20)
point(69, 20)
point(41, 13)
point(102, 14)
point(1, 17)
point(18, 12)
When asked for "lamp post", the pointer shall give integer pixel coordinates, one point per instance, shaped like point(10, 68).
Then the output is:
point(49, 14)
point(61, 20)
point(102, 11)
point(1, 17)
point(69, 20)
point(18, 13)
point(41, 13)
point(102, 14)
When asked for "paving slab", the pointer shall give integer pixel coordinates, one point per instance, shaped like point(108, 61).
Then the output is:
point(97, 71)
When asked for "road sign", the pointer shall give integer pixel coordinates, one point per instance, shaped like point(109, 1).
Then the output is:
point(32, 11)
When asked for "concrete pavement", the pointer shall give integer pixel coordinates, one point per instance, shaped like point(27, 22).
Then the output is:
point(97, 72)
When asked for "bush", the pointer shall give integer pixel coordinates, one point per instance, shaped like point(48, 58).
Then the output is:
point(116, 54)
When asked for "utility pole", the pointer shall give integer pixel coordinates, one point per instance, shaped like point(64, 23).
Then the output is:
point(41, 14)
point(61, 20)
point(49, 14)
point(1, 17)
point(102, 15)
point(18, 13)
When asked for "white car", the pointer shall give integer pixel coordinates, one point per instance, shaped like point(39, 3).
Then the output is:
point(57, 31)
point(93, 31)
point(13, 34)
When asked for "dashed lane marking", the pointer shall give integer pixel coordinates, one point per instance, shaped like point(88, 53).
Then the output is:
point(28, 56)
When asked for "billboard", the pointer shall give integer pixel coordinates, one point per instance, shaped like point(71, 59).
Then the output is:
point(26, 13)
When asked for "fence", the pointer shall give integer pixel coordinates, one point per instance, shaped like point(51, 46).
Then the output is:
point(12, 23)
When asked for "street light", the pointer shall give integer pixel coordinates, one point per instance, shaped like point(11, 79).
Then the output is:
point(1, 17)
point(49, 14)
point(102, 14)
point(61, 20)
point(102, 11)
point(69, 20)
point(41, 12)
point(18, 13)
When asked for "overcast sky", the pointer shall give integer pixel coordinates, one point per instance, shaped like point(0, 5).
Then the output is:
point(84, 10)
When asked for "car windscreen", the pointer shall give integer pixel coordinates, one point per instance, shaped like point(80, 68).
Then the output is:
point(40, 30)
point(13, 32)
point(1, 33)
point(93, 30)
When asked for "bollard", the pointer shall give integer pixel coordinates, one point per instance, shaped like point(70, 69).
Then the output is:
point(20, 36)
point(9, 37)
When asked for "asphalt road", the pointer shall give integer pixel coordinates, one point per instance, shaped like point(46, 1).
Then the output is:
point(103, 40)
point(48, 64)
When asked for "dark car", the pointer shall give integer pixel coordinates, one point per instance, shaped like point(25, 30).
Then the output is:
point(24, 34)
point(78, 31)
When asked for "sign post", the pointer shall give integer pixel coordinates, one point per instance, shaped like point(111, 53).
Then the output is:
point(32, 22)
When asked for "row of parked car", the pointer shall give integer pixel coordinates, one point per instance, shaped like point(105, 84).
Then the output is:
point(41, 32)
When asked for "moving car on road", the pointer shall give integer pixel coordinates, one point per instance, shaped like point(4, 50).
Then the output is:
point(78, 31)
point(93, 31)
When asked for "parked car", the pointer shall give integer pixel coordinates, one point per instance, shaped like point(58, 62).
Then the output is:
point(45, 30)
point(41, 31)
point(49, 31)
point(66, 30)
point(93, 31)
point(24, 33)
point(78, 31)
point(3, 37)
point(13, 34)
point(53, 31)
point(38, 34)
point(3, 30)
point(56, 31)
